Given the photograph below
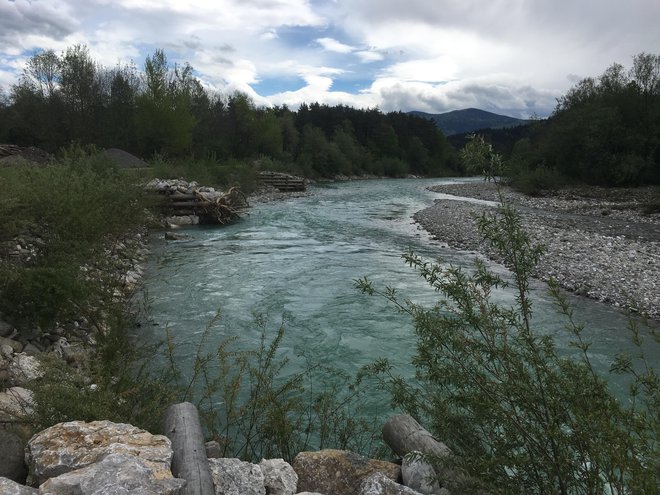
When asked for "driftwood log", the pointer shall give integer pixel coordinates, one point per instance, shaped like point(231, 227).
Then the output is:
point(189, 460)
point(404, 435)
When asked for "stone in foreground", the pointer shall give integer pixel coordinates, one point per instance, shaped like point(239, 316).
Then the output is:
point(70, 446)
point(236, 477)
point(9, 487)
point(378, 484)
point(279, 477)
point(115, 474)
point(338, 472)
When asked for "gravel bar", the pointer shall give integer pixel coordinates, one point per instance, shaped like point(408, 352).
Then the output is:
point(599, 242)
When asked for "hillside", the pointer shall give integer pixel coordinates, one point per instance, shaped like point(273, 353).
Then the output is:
point(469, 120)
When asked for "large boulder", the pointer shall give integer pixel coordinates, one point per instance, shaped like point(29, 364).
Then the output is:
point(279, 477)
point(12, 458)
point(114, 474)
point(236, 477)
point(67, 447)
point(338, 472)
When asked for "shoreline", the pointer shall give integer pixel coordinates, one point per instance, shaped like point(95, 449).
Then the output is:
point(599, 243)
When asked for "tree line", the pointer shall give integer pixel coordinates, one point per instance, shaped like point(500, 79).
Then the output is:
point(605, 130)
point(165, 110)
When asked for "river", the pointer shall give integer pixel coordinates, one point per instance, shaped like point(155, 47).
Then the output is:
point(296, 261)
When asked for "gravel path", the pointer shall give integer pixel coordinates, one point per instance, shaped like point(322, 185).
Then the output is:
point(599, 243)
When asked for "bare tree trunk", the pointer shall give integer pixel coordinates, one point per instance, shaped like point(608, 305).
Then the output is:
point(189, 461)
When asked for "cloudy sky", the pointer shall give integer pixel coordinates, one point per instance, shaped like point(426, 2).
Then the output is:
point(508, 56)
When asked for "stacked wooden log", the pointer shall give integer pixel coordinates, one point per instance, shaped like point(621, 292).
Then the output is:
point(283, 182)
point(203, 204)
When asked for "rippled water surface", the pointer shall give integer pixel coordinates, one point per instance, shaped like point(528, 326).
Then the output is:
point(297, 261)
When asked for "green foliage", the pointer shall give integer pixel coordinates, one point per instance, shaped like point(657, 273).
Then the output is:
point(113, 383)
point(519, 415)
point(257, 408)
point(67, 214)
point(165, 110)
point(479, 158)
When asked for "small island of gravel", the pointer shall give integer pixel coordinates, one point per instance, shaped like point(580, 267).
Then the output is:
point(599, 242)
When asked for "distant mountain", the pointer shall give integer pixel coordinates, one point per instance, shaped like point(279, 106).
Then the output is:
point(469, 120)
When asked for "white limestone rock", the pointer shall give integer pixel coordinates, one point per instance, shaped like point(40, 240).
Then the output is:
point(236, 477)
point(115, 474)
point(279, 477)
point(24, 368)
point(67, 447)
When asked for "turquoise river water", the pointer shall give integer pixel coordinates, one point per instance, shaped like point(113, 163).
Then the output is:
point(296, 261)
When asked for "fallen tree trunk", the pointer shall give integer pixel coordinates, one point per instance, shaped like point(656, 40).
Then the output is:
point(403, 435)
point(406, 436)
point(189, 460)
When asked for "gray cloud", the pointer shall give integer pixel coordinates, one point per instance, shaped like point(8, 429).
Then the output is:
point(20, 19)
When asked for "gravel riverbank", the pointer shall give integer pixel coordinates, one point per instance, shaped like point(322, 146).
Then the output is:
point(599, 242)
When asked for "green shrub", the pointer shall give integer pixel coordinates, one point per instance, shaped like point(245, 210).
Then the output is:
point(257, 408)
point(68, 214)
point(115, 382)
point(536, 181)
point(517, 414)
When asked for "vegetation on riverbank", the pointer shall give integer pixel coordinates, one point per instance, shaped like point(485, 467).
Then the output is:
point(552, 432)
point(165, 110)
point(604, 131)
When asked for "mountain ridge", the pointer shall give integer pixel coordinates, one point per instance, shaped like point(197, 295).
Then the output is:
point(469, 120)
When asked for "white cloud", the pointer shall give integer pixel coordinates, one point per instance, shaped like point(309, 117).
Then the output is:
point(332, 45)
point(513, 55)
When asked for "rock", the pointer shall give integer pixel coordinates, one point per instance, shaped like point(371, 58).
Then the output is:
point(213, 449)
point(379, 484)
point(5, 328)
point(67, 447)
point(12, 453)
point(338, 472)
point(15, 403)
point(173, 236)
point(235, 477)
point(6, 351)
point(33, 348)
point(114, 474)
point(182, 220)
point(24, 368)
point(279, 477)
point(419, 476)
point(14, 344)
point(9, 487)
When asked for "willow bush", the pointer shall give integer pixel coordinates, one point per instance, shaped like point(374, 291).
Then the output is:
point(520, 416)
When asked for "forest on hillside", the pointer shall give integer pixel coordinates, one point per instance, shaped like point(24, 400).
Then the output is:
point(605, 130)
point(165, 110)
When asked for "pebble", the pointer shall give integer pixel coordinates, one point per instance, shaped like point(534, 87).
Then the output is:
point(613, 259)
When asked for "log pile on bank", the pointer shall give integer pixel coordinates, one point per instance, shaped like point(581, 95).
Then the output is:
point(188, 203)
point(283, 182)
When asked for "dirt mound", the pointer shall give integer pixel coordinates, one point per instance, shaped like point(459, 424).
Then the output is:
point(124, 159)
point(11, 154)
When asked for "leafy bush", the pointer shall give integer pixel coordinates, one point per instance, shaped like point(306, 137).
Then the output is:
point(517, 414)
point(257, 408)
point(114, 382)
point(67, 214)
point(209, 171)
